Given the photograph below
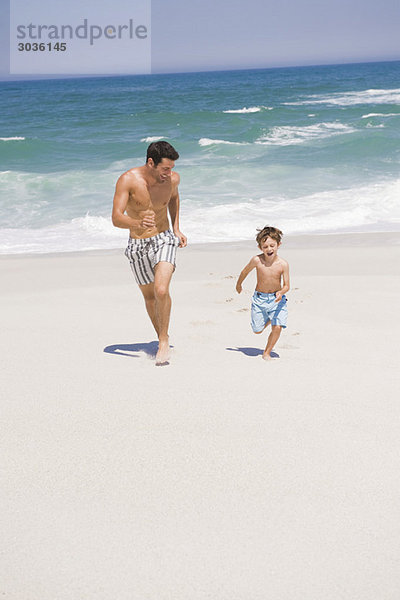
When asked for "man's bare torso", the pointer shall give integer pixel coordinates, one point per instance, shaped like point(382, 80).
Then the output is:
point(269, 276)
point(149, 199)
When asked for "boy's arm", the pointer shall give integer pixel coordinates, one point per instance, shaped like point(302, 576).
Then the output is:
point(244, 273)
point(286, 282)
point(173, 209)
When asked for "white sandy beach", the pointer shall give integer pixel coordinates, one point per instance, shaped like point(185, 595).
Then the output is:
point(220, 476)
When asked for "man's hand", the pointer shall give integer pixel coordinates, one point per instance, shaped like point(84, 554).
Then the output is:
point(149, 220)
point(182, 238)
point(239, 287)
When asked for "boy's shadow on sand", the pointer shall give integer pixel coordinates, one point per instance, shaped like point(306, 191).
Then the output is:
point(149, 348)
point(252, 351)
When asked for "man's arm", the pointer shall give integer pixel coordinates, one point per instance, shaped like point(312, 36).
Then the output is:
point(248, 268)
point(120, 202)
point(285, 280)
point(173, 209)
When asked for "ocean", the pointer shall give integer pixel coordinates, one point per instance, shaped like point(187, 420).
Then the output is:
point(306, 149)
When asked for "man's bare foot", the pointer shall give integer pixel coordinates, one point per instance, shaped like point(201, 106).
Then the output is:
point(270, 355)
point(163, 354)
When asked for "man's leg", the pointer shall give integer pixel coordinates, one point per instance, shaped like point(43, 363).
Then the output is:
point(273, 338)
point(150, 302)
point(162, 278)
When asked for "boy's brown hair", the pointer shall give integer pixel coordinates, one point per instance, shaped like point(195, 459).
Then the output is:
point(267, 231)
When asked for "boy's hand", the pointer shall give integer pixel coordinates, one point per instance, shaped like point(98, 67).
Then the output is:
point(238, 287)
point(278, 296)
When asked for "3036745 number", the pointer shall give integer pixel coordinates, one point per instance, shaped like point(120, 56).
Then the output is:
point(42, 47)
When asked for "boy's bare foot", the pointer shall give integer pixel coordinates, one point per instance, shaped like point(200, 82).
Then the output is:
point(163, 354)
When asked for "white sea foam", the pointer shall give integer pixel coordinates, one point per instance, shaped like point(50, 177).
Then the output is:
point(358, 208)
point(352, 98)
point(38, 199)
point(84, 233)
point(154, 138)
point(289, 135)
point(10, 139)
point(251, 109)
point(370, 115)
point(210, 142)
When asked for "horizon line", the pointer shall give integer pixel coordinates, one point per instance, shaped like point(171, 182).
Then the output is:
point(57, 76)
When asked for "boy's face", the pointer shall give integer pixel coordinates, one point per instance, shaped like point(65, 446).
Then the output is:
point(269, 247)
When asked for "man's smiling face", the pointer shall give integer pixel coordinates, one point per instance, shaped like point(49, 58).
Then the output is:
point(163, 171)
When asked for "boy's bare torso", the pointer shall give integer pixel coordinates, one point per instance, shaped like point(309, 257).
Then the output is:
point(145, 199)
point(269, 275)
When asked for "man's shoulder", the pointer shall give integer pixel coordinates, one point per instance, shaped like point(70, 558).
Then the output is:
point(175, 178)
point(134, 178)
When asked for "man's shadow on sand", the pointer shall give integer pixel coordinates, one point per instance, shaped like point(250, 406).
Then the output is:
point(252, 351)
point(149, 348)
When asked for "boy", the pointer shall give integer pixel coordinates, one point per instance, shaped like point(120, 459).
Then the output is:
point(269, 300)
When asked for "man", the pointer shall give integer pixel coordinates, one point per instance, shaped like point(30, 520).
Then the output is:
point(142, 197)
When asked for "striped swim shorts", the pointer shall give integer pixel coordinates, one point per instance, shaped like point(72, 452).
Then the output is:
point(144, 254)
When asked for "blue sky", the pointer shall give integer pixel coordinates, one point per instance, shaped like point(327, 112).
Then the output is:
point(215, 35)
point(261, 33)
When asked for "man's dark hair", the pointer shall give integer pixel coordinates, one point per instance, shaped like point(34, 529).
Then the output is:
point(159, 150)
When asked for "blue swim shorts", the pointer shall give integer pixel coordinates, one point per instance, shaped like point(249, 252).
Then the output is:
point(264, 309)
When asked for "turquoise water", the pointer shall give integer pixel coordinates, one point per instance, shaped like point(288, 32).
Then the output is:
point(310, 149)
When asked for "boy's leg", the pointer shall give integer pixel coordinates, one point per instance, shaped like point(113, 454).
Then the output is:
point(272, 339)
point(259, 317)
point(261, 330)
point(162, 278)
